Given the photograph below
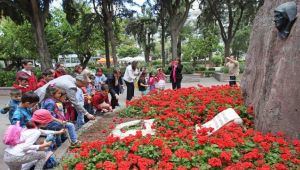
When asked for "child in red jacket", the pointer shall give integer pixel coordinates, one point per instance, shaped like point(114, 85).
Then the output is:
point(100, 100)
point(22, 84)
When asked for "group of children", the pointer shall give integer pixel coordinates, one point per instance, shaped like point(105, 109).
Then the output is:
point(146, 84)
point(55, 113)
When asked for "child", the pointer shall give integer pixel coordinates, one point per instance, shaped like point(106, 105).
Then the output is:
point(23, 112)
point(100, 79)
point(151, 82)
point(88, 92)
point(15, 96)
point(161, 79)
point(100, 100)
point(15, 156)
point(53, 102)
point(22, 84)
point(48, 75)
point(142, 84)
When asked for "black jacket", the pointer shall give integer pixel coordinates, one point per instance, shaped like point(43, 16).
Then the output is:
point(112, 88)
point(177, 72)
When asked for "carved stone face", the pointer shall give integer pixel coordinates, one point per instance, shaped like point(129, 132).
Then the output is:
point(284, 17)
point(280, 20)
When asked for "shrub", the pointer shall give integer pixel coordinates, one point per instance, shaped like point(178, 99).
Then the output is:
point(224, 70)
point(242, 67)
point(211, 69)
point(200, 68)
point(188, 68)
point(156, 63)
point(217, 60)
point(208, 73)
point(7, 78)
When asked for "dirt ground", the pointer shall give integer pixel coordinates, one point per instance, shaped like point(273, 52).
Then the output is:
point(102, 128)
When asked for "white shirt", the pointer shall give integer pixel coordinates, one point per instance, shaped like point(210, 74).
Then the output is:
point(29, 136)
point(129, 74)
point(27, 71)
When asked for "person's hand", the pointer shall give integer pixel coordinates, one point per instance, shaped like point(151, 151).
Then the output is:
point(117, 97)
point(62, 131)
point(90, 117)
point(46, 144)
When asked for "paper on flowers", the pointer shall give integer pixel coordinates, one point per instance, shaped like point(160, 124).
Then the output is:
point(221, 120)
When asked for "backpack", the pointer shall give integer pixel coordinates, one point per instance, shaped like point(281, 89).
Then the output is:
point(12, 135)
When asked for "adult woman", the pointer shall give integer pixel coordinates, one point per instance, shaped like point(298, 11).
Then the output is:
point(130, 75)
point(175, 74)
point(115, 84)
point(15, 156)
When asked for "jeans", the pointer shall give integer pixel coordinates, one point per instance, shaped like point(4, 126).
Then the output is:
point(130, 90)
point(56, 126)
point(71, 131)
point(80, 120)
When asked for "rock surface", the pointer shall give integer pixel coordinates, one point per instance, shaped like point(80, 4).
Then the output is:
point(271, 81)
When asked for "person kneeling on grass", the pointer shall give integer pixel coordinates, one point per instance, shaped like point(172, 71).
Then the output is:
point(100, 100)
point(27, 151)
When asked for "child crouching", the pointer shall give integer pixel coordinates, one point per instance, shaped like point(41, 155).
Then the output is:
point(100, 100)
point(15, 156)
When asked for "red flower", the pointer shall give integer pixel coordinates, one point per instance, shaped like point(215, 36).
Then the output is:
point(182, 153)
point(225, 156)
point(158, 142)
point(80, 166)
point(108, 165)
point(215, 162)
point(280, 167)
point(99, 165)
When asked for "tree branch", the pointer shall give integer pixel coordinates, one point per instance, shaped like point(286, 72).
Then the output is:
point(238, 21)
point(213, 10)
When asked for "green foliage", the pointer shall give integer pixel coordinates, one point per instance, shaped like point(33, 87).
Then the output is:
point(200, 67)
point(242, 66)
point(211, 69)
point(188, 68)
point(128, 51)
point(241, 41)
point(7, 78)
point(200, 47)
point(217, 60)
point(224, 70)
point(16, 41)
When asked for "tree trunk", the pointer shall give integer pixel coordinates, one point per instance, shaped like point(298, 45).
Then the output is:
point(163, 57)
point(113, 43)
point(147, 54)
point(174, 41)
point(227, 48)
point(106, 43)
point(107, 7)
point(38, 28)
point(271, 80)
point(179, 47)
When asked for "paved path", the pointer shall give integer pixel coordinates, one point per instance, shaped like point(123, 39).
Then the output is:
point(4, 100)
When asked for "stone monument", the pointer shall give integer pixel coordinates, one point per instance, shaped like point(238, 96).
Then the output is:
point(271, 81)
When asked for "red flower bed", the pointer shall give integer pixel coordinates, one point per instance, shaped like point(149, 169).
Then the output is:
point(176, 145)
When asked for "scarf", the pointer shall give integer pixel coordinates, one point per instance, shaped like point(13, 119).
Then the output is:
point(174, 73)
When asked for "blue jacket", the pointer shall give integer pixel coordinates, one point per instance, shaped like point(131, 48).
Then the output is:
point(23, 115)
point(13, 104)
